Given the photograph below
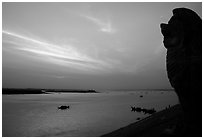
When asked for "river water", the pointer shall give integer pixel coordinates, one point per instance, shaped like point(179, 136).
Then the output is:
point(90, 114)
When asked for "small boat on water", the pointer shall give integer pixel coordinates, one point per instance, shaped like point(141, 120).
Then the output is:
point(63, 107)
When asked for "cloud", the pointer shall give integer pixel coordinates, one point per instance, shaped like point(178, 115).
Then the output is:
point(59, 77)
point(105, 27)
point(66, 55)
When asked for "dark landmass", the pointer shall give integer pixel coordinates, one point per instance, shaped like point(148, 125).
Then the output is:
point(10, 91)
point(143, 89)
point(152, 126)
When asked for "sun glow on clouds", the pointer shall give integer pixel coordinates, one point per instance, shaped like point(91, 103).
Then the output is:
point(65, 55)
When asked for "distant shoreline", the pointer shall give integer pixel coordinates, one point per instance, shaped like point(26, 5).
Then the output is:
point(143, 90)
point(15, 91)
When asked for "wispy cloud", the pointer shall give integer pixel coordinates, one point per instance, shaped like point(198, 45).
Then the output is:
point(62, 55)
point(59, 77)
point(104, 26)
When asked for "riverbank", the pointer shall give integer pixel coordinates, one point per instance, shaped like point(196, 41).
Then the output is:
point(152, 126)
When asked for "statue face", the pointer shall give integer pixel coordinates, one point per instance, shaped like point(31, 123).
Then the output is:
point(173, 33)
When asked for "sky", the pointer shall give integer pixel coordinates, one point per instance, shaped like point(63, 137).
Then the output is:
point(85, 45)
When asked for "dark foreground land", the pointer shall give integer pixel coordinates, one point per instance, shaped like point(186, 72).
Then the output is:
point(152, 126)
point(10, 91)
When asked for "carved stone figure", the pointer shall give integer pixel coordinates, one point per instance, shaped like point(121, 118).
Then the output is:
point(183, 41)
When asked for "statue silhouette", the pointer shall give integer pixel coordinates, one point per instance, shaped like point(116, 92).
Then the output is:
point(183, 41)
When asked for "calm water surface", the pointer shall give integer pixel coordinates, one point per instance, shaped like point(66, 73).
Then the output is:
point(90, 114)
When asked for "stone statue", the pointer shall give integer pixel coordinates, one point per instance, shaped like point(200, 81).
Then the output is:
point(183, 41)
